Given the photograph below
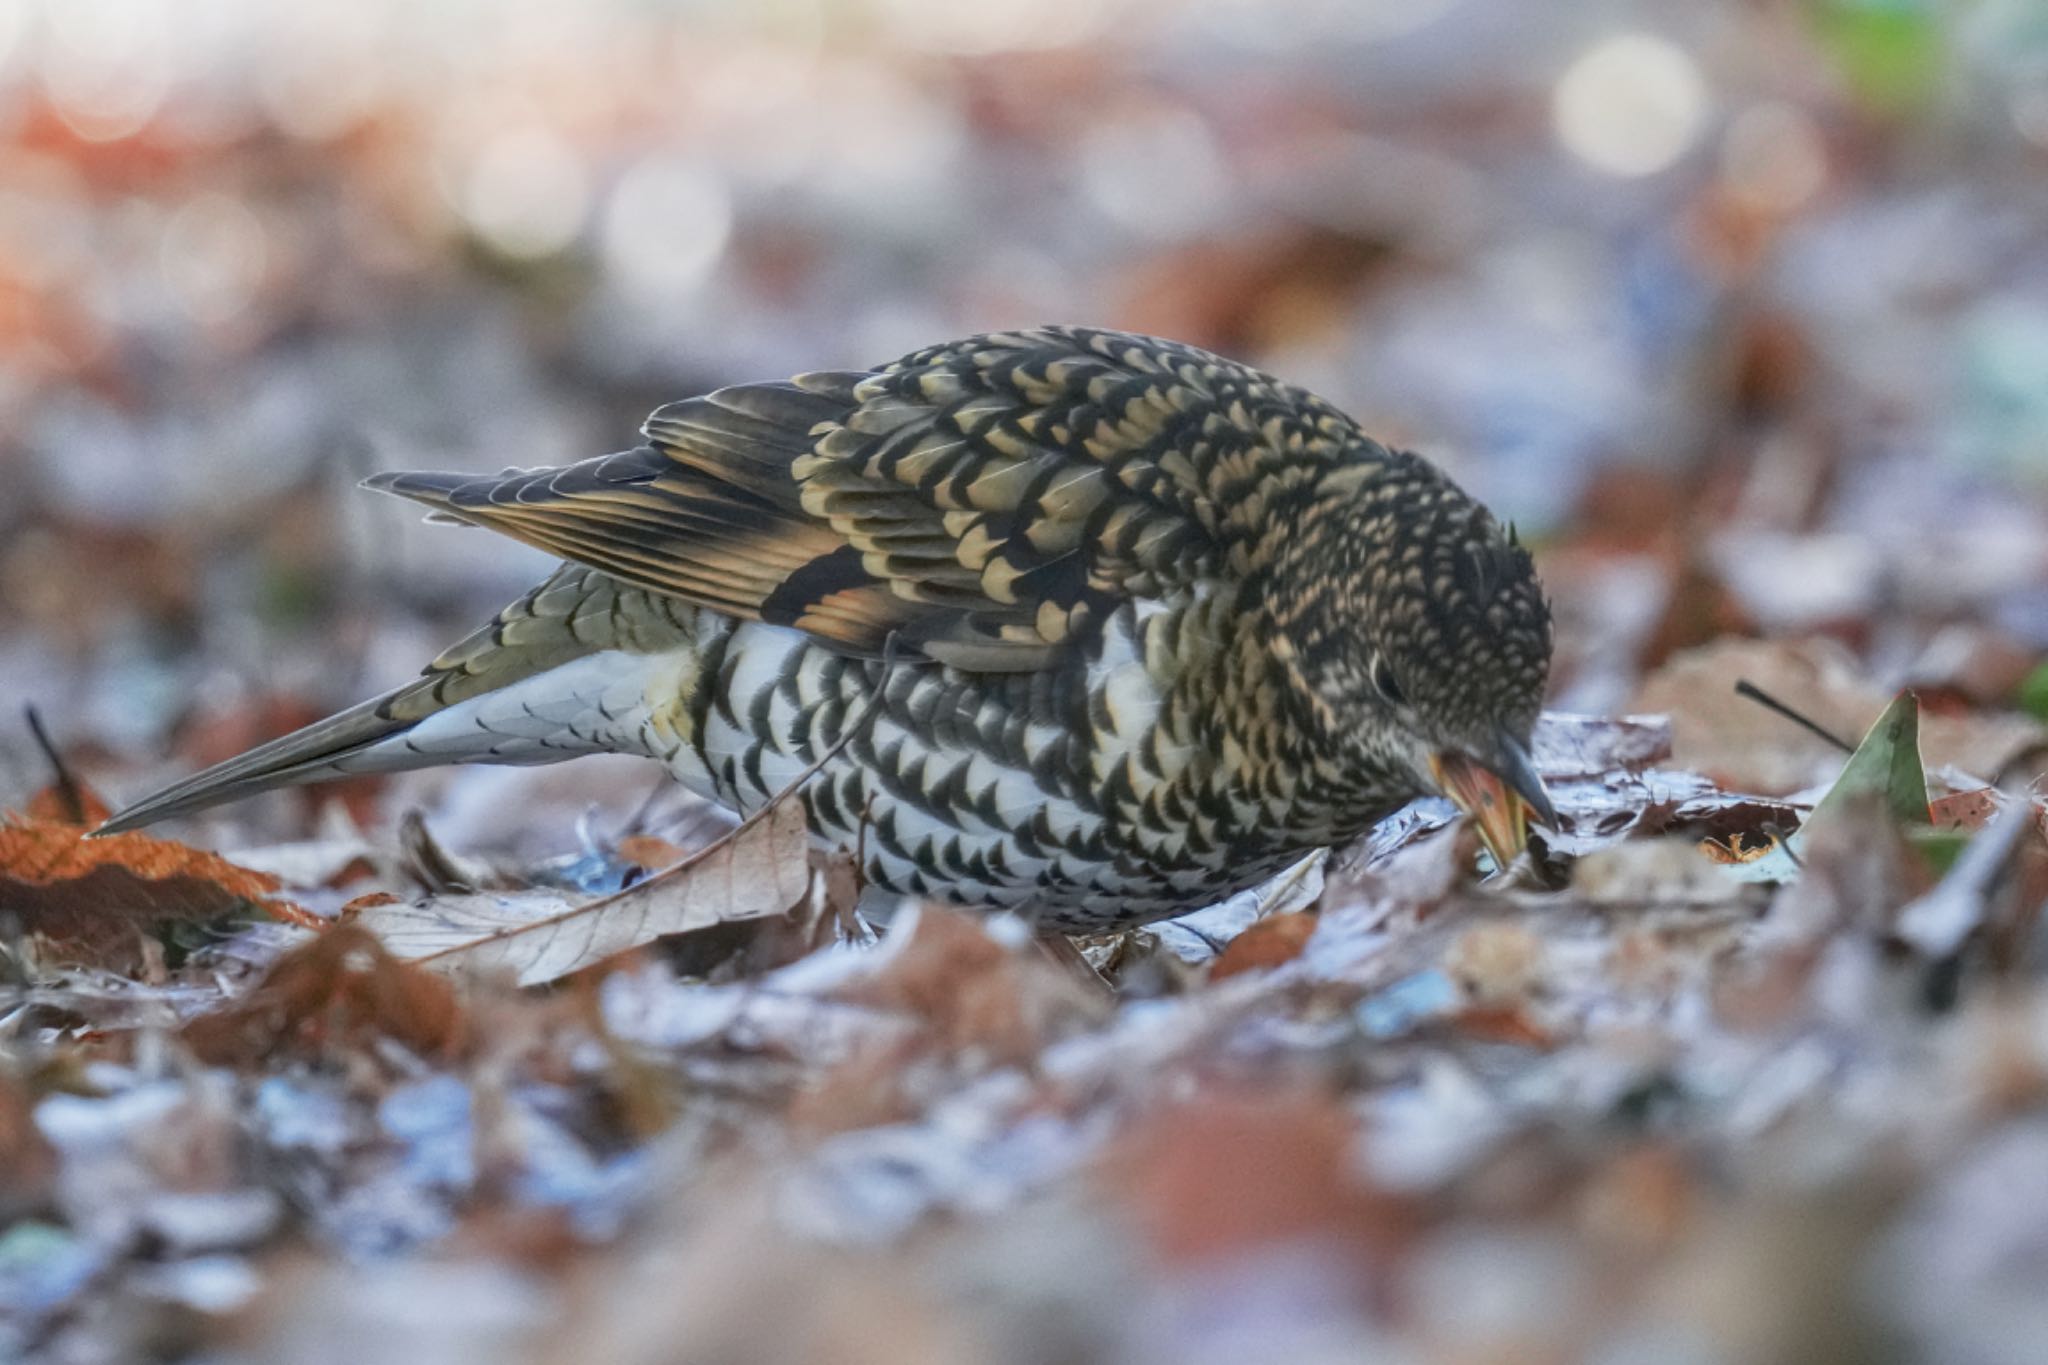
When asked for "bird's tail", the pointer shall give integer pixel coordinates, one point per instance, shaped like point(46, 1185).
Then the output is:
point(350, 742)
point(524, 689)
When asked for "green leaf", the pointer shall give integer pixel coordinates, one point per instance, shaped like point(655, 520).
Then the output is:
point(2034, 692)
point(1886, 763)
point(1891, 52)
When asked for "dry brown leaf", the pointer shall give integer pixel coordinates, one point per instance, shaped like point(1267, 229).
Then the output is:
point(1965, 810)
point(91, 901)
point(1744, 747)
point(972, 991)
point(1501, 1024)
point(761, 869)
point(1270, 942)
point(863, 1090)
point(28, 1164)
point(1234, 1173)
point(650, 851)
point(342, 988)
point(67, 803)
point(355, 906)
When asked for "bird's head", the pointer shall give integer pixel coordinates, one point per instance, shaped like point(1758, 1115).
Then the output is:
point(1416, 629)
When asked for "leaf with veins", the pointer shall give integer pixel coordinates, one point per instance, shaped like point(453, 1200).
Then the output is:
point(760, 870)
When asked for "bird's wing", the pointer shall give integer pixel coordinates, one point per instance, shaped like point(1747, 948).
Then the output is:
point(985, 500)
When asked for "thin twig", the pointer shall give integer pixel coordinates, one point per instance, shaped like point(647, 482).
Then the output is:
point(68, 790)
point(1745, 688)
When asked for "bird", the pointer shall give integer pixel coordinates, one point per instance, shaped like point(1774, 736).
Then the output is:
point(1094, 627)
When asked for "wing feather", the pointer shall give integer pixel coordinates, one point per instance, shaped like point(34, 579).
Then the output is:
point(986, 500)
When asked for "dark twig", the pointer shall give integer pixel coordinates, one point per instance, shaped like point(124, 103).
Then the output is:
point(1745, 688)
point(68, 790)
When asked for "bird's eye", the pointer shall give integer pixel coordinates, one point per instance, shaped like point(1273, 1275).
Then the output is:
point(1383, 678)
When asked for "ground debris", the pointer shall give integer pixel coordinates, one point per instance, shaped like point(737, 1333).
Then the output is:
point(1739, 311)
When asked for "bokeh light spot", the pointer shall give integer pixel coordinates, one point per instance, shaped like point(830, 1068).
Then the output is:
point(214, 255)
point(525, 192)
point(666, 226)
point(1631, 105)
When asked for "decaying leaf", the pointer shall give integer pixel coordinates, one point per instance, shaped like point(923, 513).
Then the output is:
point(67, 802)
point(1965, 810)
point(1567, 745)
point(1738, 743)
point(1236, 1173)
point(761, 869)
point(650, 851)
point(1268, 943)
point(1744, 747)
point(91, 902)
point(28, 1164)
point(342, 987)
point(1739, 847)
point(970, 990)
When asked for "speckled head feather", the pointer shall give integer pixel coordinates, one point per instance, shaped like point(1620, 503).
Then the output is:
point(1416, 621)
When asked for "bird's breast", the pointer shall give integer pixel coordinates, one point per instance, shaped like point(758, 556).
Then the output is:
point(1133, 779)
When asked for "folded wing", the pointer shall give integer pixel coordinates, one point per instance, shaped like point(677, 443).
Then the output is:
point(983, 501)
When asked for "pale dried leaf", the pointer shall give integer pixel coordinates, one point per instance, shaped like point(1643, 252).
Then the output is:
point(1567, 745)
point(540, 937)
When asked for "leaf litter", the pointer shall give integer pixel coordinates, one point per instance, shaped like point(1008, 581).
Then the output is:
point(1326, 1113)
point(1747, 1029)
point(1746, 1062)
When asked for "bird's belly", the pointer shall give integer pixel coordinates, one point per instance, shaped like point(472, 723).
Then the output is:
point(1020, 792)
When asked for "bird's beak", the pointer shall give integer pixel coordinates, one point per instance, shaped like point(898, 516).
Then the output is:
point(1501, 794)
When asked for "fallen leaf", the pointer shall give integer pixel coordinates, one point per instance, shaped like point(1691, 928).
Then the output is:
point(1233, 1174)
point(1565, 745)
point(1738, 743)
point(1743, 746)
point(91, 902)
point(1270, 942)
point(759, 870)
point(71, 803)
point(439, 869)
point(1885, 769)
point(970, 991)
point(1739, 847)
point(1965, 810)
point(342, 988)
point(1501, 1024)
point(650, 851)
point(28, 1164)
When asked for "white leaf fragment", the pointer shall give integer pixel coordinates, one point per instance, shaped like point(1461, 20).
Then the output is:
point(760, 870)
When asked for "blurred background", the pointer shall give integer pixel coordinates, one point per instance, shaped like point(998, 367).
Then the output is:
point(1739, 308)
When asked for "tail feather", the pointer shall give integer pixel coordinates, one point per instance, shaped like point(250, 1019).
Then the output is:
point(320, 750)
point(574, 614)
